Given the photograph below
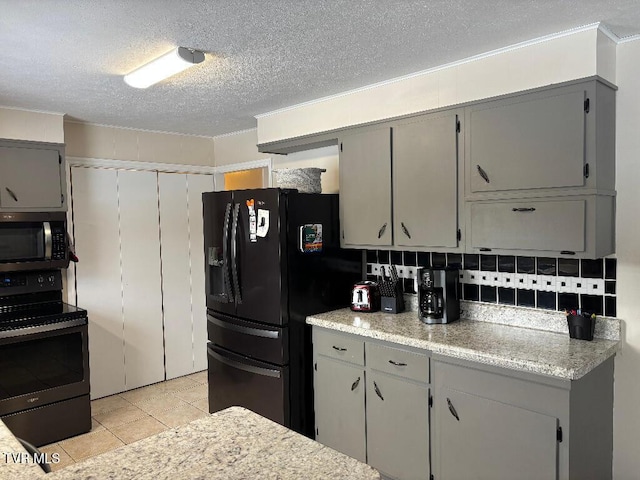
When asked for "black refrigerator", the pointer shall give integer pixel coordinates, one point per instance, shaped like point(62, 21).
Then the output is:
point(273, 257)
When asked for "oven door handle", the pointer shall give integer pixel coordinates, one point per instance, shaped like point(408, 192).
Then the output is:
point(255, 332)
point(48, 242)
point(267, 372)
point(51, 327)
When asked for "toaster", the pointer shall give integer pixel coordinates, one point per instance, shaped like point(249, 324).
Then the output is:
point(365, 297)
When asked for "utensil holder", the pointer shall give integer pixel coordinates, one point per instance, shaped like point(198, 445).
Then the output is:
point(392, 304)
point(582, 326)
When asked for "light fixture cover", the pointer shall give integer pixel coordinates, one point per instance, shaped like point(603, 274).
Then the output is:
point(169, 64)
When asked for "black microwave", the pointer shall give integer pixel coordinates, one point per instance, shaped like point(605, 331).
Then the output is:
point(33, 241)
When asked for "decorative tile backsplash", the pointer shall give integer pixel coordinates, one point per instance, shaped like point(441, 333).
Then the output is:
point(538, 282)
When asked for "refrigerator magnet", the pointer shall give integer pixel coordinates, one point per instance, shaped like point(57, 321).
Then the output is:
point(263, 223)
point(310, 239)
point(252, 221)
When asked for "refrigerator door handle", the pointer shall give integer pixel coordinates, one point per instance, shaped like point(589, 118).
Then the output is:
point(267, 372)
point(256, 332)
point(225, 254)
point(234, 252)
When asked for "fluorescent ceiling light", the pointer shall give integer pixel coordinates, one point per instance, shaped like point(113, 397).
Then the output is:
point(163, 67)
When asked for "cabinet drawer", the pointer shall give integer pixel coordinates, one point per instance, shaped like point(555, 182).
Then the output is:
point(398, 362)
point(342, 347)
point(554, 225)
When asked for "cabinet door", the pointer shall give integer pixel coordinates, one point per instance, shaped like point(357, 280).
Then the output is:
point(397, 426)
point(365, 188)
point(556, 225)
point(425, 182)
point(484, 439)
point(30, 178)
point(339, 407)
point(530, 141)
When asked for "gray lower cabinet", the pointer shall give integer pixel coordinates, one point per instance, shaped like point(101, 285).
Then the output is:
point(499, 424)
point(397, 426)
point(32, 176)
point(481, 438)
point(339, 406)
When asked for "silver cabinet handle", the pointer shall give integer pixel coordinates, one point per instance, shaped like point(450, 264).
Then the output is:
point(521, 209)
point(398, 364)
point(405, 230)
point(340, 349)
point(452, 409)
point(355, 384)
point(382, 230)
point(10, 192)
point(483, 174)
point(375, 387)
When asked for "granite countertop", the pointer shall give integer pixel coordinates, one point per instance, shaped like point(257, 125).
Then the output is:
point(232, 444)
point(524, 349)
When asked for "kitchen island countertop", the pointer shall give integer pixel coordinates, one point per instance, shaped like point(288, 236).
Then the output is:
point(517, 348)
point(231, 444)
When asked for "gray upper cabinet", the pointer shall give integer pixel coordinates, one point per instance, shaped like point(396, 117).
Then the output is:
point(365, 188)
point(425, 181)
point(32, 176)
point(557, 138)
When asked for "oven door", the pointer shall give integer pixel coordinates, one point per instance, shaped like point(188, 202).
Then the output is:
point(46, 366)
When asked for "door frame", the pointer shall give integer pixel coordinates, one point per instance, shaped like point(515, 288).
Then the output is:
point(218, 172)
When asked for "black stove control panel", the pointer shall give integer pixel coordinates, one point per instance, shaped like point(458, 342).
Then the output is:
point(17, 283)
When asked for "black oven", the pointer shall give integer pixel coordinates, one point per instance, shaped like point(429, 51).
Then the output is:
point(44, 359)
point(33, 241)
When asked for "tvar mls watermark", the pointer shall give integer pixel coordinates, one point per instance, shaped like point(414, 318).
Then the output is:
point(24, 457)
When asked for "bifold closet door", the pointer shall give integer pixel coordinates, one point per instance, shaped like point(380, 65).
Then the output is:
point(196, 185)
point(185, 322)
point(141, 283)
point(176, 275)
point(98, 281)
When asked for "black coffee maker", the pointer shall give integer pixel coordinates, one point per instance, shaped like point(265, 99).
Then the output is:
point(438, 299)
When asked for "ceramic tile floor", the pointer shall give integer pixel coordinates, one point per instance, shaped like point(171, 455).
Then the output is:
point(131, 416)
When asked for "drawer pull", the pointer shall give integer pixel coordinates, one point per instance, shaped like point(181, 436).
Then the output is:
point(452, 409)
point(339, 349)
point(397, 364)
point(355, 384)
point(375, 387)
point(521, 209)
point(483, 174)
point(382, 230)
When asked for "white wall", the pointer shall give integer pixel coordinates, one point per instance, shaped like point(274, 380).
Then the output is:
point(627, 369)
point(239, 147)
point(545, 61)
point(27, 125)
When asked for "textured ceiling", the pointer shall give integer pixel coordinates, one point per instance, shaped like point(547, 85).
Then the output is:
point(69, 55)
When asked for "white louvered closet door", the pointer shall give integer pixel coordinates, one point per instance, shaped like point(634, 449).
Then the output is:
point(98, 289)
point(141, 284)
point(196, 185)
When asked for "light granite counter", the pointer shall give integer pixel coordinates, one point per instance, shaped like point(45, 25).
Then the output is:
point(232, 444)
point(498, 344)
